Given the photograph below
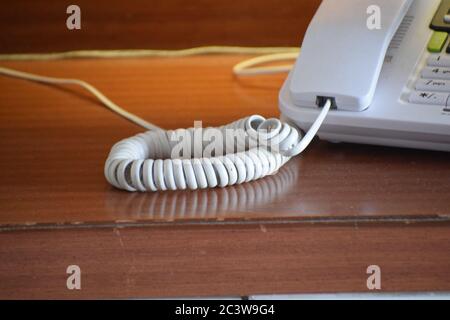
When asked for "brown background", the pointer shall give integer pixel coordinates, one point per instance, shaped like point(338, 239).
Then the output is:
point(40, 26)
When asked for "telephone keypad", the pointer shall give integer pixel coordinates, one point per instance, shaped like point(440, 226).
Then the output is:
point(436, 73)
point(435, 98)
point(437, 41)
point(433, 85)
point(439, 61)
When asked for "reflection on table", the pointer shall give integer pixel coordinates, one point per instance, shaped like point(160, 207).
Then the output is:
point(216, 204)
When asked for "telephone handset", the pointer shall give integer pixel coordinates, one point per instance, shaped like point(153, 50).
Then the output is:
point(341, 56)
point(385, 69)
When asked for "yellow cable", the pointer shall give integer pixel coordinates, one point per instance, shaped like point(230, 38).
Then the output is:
point(243, 68)
point(247, 67)
point(94, 91)
point(146, 53)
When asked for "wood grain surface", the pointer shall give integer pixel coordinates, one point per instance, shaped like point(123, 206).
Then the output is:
point(54, 142)
point(40, 26)
point(56, 209)
point(226, 260)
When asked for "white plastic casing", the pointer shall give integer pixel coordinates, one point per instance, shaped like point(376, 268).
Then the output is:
point(391, 120)
point(343, 52)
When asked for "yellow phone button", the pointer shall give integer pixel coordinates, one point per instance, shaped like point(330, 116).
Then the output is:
point(437, 41)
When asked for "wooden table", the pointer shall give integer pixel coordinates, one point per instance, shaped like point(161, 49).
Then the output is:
point(314, 227)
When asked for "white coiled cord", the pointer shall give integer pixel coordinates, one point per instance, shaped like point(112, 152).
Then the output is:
point(145, 162)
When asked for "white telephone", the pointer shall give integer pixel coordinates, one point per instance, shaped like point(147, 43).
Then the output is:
point(389, 83)
point(370, 71)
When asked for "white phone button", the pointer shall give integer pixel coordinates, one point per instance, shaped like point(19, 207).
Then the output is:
point(436, 73)
point(433, 85)
point(438, 60)
point(434, 98)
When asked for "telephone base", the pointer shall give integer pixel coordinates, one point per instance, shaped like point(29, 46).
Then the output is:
point(383, 125)
point(389, 142)
point(408, 109)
